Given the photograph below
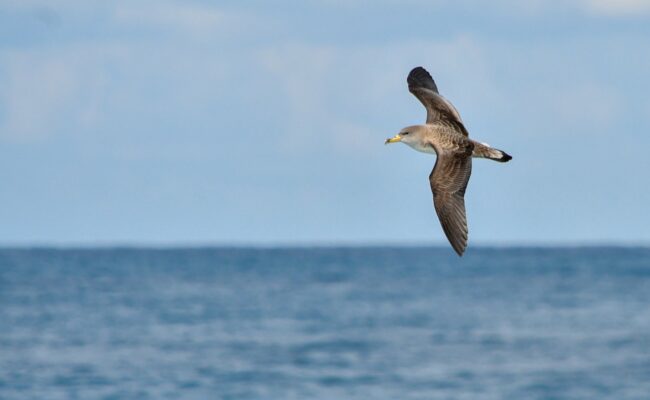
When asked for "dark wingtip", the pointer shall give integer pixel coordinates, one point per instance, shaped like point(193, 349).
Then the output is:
point(420, 77)
point(459, 245)
point(459, 250)
point(419, 71)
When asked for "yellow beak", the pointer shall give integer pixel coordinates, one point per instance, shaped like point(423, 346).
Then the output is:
point(394, 139)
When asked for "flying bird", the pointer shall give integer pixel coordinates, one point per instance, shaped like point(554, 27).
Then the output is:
point(445, 135)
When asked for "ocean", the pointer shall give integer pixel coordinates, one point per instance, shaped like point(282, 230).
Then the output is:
point(325, 323)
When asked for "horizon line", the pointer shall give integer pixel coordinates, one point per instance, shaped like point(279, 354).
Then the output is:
point(107, 245)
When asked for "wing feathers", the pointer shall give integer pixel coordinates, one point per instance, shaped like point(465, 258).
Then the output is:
point(420, 77)
point(453, 167)
point(448, 181)
point(451, 212)
point(422, 85)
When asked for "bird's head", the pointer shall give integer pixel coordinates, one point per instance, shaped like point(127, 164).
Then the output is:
point(411, 135)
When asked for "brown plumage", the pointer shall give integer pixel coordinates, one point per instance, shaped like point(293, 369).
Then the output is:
point(445, 135)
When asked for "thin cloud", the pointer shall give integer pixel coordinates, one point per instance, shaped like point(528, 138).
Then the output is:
point(44, 92)
point(194, 18)
point(617, 7)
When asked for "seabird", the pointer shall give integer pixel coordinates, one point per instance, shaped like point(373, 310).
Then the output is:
point(445, 135)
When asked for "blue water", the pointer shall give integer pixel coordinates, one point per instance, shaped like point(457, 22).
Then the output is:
point(354, 323)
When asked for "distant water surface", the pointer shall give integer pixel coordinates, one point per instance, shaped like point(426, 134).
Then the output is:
point(339, 323)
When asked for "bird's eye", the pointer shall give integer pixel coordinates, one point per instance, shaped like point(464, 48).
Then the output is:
point(405, 133)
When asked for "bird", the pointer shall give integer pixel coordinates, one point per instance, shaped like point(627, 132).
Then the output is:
point(445, 135)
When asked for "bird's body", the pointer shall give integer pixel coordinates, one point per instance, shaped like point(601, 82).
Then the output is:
point(438, 137)
point(445, 135)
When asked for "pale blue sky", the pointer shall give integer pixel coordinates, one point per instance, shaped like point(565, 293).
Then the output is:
point(263, 122)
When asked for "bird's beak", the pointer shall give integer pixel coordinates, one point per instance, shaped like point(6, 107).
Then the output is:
point(394, 139)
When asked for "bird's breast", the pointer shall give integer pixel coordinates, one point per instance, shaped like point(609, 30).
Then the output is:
point(425, 148)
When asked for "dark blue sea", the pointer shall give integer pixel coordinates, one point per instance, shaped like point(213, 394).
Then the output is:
point(325, 323)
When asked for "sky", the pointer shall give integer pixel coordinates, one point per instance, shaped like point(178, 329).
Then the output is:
point(263, 122)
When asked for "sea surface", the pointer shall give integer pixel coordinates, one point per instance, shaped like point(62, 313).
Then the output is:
point(325, 323)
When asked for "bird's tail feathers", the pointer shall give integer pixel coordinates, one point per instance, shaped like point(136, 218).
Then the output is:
point(482, 150)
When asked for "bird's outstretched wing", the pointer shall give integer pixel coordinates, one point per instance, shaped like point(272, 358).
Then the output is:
point(448, 183)
point(421, 84)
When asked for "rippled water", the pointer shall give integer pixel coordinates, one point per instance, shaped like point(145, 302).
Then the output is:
point(353, 323)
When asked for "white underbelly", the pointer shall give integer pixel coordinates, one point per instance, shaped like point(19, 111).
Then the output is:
point(427, 148)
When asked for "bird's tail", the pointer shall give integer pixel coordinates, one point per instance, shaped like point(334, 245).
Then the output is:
point(482, 150)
